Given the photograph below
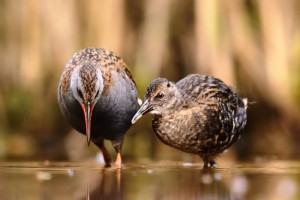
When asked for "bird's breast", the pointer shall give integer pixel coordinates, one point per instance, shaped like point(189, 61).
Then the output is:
point(113, 112)
point(179, 130)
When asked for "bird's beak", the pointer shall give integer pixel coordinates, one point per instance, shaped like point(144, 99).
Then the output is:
point(145, 108)
point(87, 110)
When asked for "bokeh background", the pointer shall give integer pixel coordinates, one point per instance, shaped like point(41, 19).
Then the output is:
point(252, 45)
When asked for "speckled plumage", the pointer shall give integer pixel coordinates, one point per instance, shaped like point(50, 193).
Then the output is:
point(98, 97)
point(199, 114)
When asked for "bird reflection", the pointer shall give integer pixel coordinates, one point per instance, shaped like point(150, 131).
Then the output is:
point(175, 183)
point(162, 180)
point(204, 184)
point(107, 187)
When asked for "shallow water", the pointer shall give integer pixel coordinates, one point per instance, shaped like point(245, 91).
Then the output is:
point(157, 180)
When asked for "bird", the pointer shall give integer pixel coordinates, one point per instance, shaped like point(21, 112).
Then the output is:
point(98, 97)
point(199, 114)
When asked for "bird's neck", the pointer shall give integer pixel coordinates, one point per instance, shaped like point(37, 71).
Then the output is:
point(175, 104)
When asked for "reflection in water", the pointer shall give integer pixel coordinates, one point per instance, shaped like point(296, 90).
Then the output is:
point(107, 186)
point(239, 186)
point(193, 184)
point(163, 180)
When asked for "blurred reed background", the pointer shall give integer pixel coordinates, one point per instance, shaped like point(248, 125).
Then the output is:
point(253, 45)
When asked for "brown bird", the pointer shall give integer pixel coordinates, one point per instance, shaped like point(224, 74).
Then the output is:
point(199, 114)
point(98, 97)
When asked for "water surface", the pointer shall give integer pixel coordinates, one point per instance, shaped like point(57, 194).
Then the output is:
point(155, 180)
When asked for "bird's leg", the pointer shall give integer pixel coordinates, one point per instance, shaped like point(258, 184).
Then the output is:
point(205, 162)
point(212, 163)
point(107, 158)
point(208, 162)
point(117, 144)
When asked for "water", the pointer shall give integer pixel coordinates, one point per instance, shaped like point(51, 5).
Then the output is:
point(157, 180)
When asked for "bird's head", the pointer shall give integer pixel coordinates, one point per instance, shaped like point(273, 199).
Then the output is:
point(86, 87)
point(160, 98)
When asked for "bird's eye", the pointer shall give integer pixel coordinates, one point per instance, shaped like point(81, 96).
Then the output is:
point(168, 84)
point(79, 93)
point(160, 95)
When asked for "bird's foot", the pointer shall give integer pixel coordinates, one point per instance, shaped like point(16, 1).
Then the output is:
point(117, 144)
point(107, 165)
point(213, 164)
point(209, 164)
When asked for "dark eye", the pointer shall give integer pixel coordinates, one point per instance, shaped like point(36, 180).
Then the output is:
point(79, 93)
point(160, 95)
point(168, 84)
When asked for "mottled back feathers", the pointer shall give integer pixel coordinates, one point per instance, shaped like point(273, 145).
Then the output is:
point(106, 59)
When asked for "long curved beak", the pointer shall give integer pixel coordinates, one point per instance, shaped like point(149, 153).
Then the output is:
point(87, 110)
point(145, 108)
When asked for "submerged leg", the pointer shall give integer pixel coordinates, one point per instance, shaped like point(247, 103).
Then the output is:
point(107, 158)
point(117, 144)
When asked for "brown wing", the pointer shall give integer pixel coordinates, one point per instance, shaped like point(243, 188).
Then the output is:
point(202, 88)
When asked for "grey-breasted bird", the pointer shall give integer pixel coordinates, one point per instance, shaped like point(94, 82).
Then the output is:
point(199, 114)
point(98, 96)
